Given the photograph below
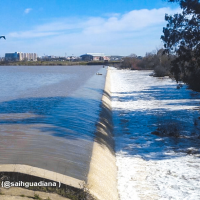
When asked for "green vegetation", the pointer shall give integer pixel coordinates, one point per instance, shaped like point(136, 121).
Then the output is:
point(169, 128)
point(161, 64)
point(181, 39)
point(68, 192)
point(130, 62)
point(36, 196)
point(55, 63)
point(42, 63)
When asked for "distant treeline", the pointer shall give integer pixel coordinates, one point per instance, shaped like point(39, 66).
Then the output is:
point(154, 60)
point(39, 63)
point(161, 64)
point(56, 63)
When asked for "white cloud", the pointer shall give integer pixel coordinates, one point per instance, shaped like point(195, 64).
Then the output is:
point(31, 34)
point(112, 34)
point(27, 10)
point(131, 21)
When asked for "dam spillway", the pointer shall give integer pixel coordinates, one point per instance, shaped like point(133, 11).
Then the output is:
point(49, 124)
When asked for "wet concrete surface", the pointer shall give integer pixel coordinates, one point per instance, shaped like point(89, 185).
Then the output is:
point(48, 116)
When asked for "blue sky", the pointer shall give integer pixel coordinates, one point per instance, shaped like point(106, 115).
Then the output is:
point(59, 27)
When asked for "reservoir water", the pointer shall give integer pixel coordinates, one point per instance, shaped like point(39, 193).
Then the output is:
point(48, 116)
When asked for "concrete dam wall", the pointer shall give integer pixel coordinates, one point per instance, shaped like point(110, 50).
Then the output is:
point(43, 137)
point(103, 170)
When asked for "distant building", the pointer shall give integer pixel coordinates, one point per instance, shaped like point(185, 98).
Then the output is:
point(46, 57)
point(27, 56)
point(116, 58)
point(12, 56)
point(94, 57)
point(18, 56)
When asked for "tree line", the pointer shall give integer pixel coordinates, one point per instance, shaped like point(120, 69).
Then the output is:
point(156, 60)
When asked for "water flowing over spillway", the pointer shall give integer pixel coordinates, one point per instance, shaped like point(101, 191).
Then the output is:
point(48, 116)
point(151, 166)
point(56, 124)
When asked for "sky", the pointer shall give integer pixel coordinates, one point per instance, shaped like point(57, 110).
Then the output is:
point(76, 27)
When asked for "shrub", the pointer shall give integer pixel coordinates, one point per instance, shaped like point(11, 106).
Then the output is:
point(168, 129)
point(160, 71)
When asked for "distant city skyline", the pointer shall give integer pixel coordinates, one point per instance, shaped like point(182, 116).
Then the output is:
point(63, 28)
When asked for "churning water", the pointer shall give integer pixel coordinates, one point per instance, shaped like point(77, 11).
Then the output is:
point(152, 166)
point(48, 116)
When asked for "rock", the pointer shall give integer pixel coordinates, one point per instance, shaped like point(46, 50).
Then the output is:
point(155, 133)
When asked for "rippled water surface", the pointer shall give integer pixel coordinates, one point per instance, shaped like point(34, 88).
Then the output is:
point(48, 116)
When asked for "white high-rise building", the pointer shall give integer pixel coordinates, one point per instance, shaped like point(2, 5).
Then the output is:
point(35, 57)
point(27, 56)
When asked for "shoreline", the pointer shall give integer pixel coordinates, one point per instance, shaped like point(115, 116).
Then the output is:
point(58, 63)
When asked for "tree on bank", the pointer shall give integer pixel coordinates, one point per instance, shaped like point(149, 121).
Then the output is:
point(182, 39)
point(130, 62)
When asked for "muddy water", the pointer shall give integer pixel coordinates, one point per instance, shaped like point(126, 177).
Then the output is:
point(48, 116)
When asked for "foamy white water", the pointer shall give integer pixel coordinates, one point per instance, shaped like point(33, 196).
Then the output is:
point(150, 166)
